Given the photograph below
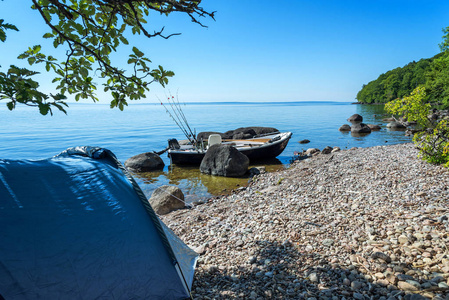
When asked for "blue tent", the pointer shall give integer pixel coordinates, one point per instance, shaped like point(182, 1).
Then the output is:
point(77, 226)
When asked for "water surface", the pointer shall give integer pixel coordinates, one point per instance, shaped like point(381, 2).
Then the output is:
point(146, 127)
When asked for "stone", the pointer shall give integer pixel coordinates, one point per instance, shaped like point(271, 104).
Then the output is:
point(144, 162)
point(327, 150)
point(374, 127)
point(382, 256)
point(358, 296)
point(360, 128)
point(335, 149)
point(404, 285)
point(355, 118)
point(311, 151)
point(328, 242)
point(167, 198)
point(395, 126)
point(313, 277)
point(304, 141)
point(345, 127)
point(224, 160)
point(356, 285)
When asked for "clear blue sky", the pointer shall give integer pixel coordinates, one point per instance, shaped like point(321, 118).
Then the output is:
point(293, 50)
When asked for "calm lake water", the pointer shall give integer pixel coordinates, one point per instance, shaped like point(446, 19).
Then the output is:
point(25, 134)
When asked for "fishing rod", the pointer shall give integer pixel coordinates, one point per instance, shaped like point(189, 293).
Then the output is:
point(184, 131)
point(178, 120)
point(184, 117)
point(181, 113)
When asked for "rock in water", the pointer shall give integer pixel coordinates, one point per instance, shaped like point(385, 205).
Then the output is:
point(355, 118)
point(374, 127)
point(360, 128)
point(167, 198)
point(345, 127)
point(395, 125)
point(145, 162)
point(224, 160)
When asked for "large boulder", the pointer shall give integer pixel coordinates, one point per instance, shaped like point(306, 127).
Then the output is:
point(144, 162)
point(360, 128)
point(355, 118)
point(224, 160)
point(240, 133)
point(264, 130)
point(167, 198)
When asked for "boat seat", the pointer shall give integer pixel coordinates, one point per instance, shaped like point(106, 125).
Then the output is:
point(213, 140)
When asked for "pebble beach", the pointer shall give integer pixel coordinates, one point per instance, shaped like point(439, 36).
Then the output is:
point(365, 223)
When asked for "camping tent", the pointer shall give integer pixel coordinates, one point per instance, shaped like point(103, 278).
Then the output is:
point(77, 226)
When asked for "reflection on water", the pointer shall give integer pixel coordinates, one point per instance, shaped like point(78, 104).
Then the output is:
point(196, 185)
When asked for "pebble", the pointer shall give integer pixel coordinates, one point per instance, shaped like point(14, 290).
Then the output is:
point(350, 227)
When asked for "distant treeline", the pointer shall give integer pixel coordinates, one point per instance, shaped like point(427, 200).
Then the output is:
point(433, 73)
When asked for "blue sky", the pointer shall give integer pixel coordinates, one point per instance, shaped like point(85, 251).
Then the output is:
point(271, 50)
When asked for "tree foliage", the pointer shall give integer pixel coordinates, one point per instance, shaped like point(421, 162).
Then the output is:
point(433, 138)
point(433, 73)
point(90, 31)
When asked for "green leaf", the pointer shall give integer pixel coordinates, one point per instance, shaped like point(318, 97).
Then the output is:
point(48, 35)
point(137, 52)
point(31, 60)
point(10, 105)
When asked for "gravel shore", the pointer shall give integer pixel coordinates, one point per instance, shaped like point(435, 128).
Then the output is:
point(368, 223)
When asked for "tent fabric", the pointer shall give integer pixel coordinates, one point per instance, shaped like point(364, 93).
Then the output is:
point(77, 226)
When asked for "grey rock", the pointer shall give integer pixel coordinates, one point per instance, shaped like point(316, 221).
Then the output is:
point(374, 127)
point(382, 256)
point(345, 127)
point(355, 118)
point(144, 162)
point(360, 128)
point(327, 150)
point(358, 296)
point(311, 151)
point(224, 160)
point(395, 125)
point(356, 285)
point(166, 199)
point(328, 242)
point(404, 277)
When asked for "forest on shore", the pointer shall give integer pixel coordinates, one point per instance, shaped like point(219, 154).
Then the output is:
point(432, 73)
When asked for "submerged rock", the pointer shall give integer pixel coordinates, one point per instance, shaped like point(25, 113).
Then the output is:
point(224, 160)
point(304, 141)
point(144, 162)
point(167, 198)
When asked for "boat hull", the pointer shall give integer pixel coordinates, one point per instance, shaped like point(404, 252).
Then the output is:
point(255, 153)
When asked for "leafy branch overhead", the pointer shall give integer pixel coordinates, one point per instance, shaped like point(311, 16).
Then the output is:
point(90, 31)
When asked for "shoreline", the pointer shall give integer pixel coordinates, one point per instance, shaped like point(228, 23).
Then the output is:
point(359, 223)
